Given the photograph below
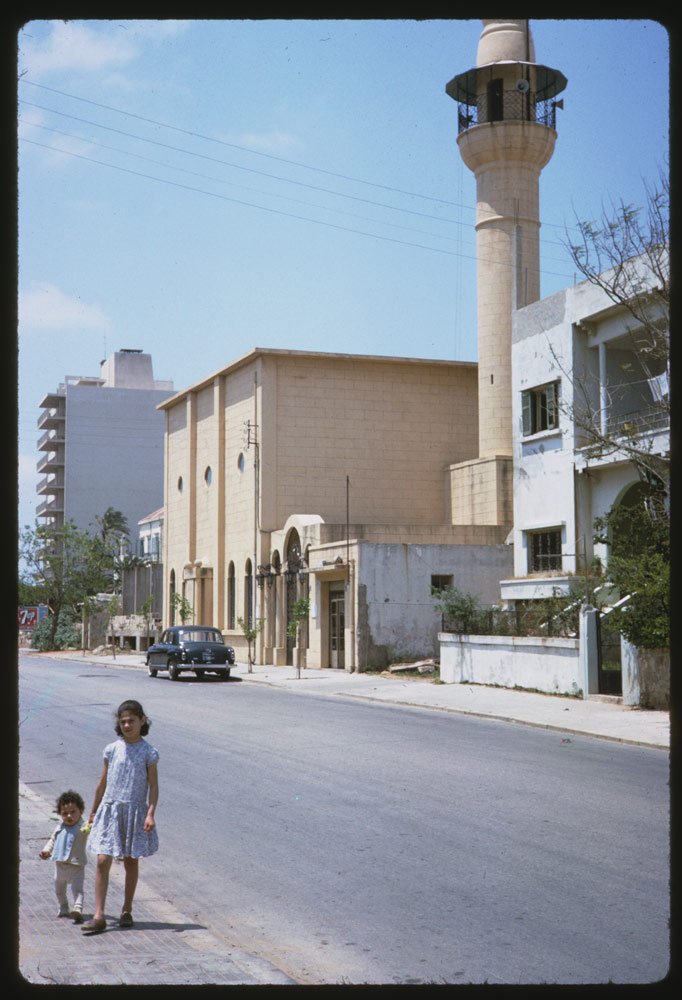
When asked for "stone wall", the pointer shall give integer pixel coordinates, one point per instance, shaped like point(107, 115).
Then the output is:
point(646, 676)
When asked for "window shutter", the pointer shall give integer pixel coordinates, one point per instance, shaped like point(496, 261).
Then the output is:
point(527, 405)
point(552, 408)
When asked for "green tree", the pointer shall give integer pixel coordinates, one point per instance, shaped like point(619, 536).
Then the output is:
point(460, 609)
point(113, 609)
point(62, 633)
point(30, 594)
point(65, 564)
point(146, 611)
point(638, 534)
point(109, 542)
point(250, 631)
point(298, 615)
point(182, 607)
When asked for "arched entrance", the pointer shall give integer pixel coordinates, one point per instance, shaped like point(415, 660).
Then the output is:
point(291, 577)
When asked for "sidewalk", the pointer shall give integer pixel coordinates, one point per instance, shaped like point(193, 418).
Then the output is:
point(165, 947)
point(605, 719)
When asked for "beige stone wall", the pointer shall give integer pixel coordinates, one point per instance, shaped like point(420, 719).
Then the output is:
point(393, 427)
point(482, 492)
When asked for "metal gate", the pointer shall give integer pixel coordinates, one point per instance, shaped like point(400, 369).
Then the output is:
point(610, 677)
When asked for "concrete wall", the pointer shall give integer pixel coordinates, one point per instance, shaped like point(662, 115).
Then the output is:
point(549, 665)
point(646, 676)
point(397, 615)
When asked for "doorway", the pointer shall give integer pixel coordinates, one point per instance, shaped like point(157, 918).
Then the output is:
point(610, 675)
point(337, 624)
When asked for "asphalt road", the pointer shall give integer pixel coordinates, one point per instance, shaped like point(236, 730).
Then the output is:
point(356, 843)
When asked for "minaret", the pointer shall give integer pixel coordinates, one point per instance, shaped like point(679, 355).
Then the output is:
point(506, 135)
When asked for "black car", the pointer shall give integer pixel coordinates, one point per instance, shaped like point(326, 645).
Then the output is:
point(190, 647)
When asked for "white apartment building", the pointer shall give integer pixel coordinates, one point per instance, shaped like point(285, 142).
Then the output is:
point(574, 358)
point(150, 536)
point(103, 443)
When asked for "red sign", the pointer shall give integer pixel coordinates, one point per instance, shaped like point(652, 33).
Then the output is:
point(28, 617)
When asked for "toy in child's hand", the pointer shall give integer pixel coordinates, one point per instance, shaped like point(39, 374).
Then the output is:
point(86, 828)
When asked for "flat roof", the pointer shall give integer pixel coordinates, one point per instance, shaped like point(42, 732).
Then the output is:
point(257, 352)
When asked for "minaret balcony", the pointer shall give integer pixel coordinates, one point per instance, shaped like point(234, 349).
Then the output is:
point(507, 91)
point(513, 107)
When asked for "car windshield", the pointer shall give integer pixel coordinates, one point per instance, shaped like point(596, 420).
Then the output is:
point(200, 635)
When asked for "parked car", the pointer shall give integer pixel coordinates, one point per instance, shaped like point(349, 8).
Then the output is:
point(190, 647)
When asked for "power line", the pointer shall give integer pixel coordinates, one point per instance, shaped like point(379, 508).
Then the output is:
point(233, 145)
point(244, 149)
point(219, 180)
point(274, 211)
point(235, 166)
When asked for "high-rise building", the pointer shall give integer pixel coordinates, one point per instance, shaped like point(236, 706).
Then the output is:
point(103, 443)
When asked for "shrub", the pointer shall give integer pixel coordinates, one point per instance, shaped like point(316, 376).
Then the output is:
point(67, 635)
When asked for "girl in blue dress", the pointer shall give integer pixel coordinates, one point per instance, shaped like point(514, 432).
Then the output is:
point(122, 816)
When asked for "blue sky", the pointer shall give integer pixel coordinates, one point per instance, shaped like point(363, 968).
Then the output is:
point(199, 188)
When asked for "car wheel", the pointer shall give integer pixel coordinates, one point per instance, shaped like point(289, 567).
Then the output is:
point(224, 675)
point(200, 673)
point(152, 671)
point(173, 671)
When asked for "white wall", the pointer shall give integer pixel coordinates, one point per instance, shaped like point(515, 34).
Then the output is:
point(543, 463)
point(549, 665)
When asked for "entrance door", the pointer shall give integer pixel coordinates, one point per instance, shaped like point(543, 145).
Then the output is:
point(610, 677)
point(337, 616)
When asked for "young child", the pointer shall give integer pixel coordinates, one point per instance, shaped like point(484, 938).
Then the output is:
point(123, 810)
point(67, 847)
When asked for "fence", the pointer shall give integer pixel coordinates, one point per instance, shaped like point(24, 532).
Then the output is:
point(541, 618)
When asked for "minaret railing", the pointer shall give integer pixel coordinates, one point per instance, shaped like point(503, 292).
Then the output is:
point(515, 107)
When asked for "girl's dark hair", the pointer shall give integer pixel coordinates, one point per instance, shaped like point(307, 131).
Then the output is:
point(70, 798)
point(136, 709)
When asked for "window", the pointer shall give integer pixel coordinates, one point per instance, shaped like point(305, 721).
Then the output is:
point(540, 408)
point(544, 550)
point(439, 582)
point(231, 613)
point(208, 475)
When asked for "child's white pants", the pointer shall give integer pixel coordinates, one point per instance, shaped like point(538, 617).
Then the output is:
point(66, 873)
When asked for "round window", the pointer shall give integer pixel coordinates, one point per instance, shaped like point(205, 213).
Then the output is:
point(179, 484)
point(241, 462)
point(208, 475)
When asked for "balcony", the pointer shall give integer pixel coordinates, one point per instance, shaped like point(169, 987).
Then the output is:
point(50, 508)
point(646, 430)
point(50, 440)
point(52, 400)
point(655, 418)
point(49, 485)
point(51, 463)
point(515, 107)
point(51, 420)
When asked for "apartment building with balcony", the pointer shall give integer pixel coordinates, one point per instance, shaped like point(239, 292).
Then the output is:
point(577, 363)
point(102, 443)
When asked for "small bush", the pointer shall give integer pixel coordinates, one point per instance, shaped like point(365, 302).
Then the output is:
point(67, 635)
